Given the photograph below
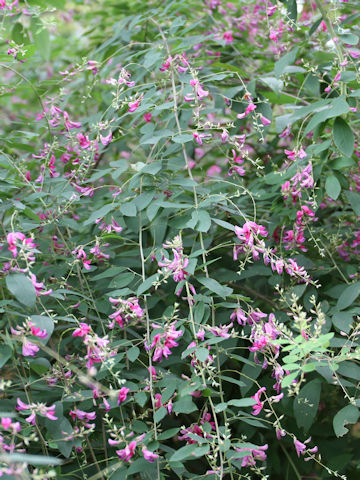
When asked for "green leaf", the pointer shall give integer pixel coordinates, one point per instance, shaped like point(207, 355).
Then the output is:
point(168, 433)
point(5, 354)
point(215, 286)
point(285, 61)
point(152, 168)
point(289, 379)
point(242, 402)
point(188, 451)
point(346, 415)
point(332, 187)
point(343, 137)
point(292, 10)
point(133, 353)
point(41, 37)
point(306, 404)
point(22, 288)
point(140, 398)
point(147, 284)
point(39, 460)
point(185, 405)
point(354, 200)
point(348, 296)
point(183, 138)
point(202, 354)
point(160, 414)
point(128, 209)
point(99, 213)
point(337, 107)
point(343, 321)
point(200, 221)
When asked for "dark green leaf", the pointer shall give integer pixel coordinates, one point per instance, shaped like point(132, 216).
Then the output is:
point(343, 137)
point(22, 288)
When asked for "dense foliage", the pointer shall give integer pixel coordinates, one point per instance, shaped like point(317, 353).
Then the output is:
point(180, 196)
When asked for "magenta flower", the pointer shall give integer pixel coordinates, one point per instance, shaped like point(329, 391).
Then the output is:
point(123, 395)
point(39, 286)
point(12, 238)
point(107, 139)
point(29, 349)
point(128, 452)
point(83, 330)
point(149, 456)
point(254, 454)
point(259, 405)
point(228, 37)
point(134, 105)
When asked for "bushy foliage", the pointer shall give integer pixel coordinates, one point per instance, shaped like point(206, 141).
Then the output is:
point(180, 195)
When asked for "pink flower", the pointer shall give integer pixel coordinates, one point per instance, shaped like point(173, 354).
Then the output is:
point(134, 105)
point(83, 141)
point(83, 330)
point(39, 286)
point(29, 349)
point(300, 447)
point(228, 37)
point(213, 170)
point(123, 395)
point(107, 139)
point(254, 454)
point(149, 456)
point(37, 332)
point(163, 342)
point(6, 422)
point(166, 64)
point(147, 117)
point(259, 405)
point(265, 121)
point(12, 238)
point(128, 452)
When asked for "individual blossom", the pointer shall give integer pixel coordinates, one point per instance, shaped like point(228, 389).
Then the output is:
point(123, 392)
point(82, 330)
point(228, 37)
point(106, 139)
point(250, 108)
point(221, 331)
point(134, 105)
point(259, 405)
point(39, 286)
point(254, 455)
point(128, 452)
point(84, 141)
point(166, 65)
point(29, 349)
point(148, 455)
point(200, 92)
point(82, 256)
